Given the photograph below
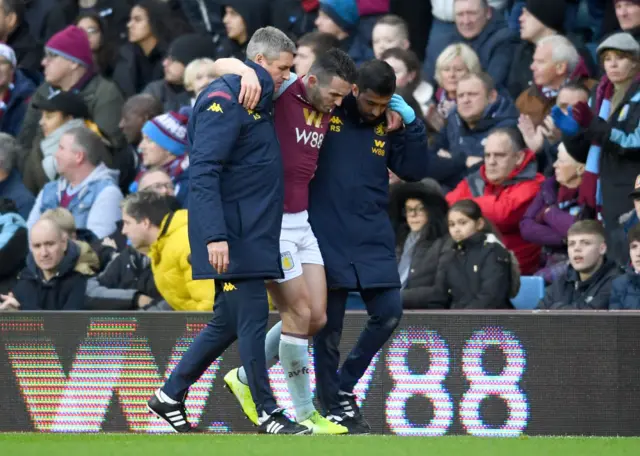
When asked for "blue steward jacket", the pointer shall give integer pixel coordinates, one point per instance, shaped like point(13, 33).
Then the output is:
point(350, 192)
point(236, 187)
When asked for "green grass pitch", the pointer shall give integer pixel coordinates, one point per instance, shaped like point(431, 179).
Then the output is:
point(241, 445)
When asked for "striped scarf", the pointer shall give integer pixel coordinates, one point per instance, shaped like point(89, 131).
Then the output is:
point(590, 190)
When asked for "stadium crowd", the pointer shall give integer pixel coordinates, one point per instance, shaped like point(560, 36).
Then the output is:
point(532, 109)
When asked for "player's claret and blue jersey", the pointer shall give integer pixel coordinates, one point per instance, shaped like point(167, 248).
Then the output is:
point(236, 189)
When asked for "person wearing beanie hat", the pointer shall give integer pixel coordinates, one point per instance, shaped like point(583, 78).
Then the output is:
point(71, 44)
point(164, 145)
point(540, 19)
point(556, 207)
point(15, 90)
point(610, 123)
point(628, 15)
point(184, 50)
point(340, 18)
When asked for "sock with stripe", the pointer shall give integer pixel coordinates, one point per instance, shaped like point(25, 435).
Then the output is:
point(294, 357)
point(271, 348)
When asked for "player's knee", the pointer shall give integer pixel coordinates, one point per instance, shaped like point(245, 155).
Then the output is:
point(389, 318)
point(318, 321)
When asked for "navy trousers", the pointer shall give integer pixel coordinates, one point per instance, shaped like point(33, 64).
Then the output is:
point(384, 306)
point(240, 312)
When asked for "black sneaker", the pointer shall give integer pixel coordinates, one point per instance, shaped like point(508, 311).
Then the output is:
point(278, 423)
point(355, 425)
point(174, 414)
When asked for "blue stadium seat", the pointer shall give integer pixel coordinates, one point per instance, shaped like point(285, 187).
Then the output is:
point(355, 302)
point(531, 292)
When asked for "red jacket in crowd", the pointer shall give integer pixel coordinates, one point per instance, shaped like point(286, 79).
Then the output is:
point(505, 204)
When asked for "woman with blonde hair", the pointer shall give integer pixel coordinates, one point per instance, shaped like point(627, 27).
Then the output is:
point(455, 62)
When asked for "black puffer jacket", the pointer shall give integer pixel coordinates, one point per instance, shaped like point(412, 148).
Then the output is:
point(569, 293)
point(480, 274)
point(255, 14)
point(134, 70)
point(117, 287)
point(424, 287)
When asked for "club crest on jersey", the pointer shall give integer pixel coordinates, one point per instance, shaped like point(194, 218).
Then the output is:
point(380, 130)
point(286, 259)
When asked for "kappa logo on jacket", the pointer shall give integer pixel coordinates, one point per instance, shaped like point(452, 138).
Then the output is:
point(335, 124)
point(228, 286)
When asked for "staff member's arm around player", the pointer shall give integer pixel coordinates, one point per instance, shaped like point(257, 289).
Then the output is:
point(235, 211)
point(303, 114)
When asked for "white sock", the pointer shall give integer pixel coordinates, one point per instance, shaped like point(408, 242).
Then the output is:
point(294, 357)
point(271, 348)
point(164, 398)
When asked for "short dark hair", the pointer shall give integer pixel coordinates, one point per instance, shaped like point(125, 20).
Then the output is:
point(319, 42)
point(485, 79)
point(393, 20)
point(587, 227)
point(634, 234)
point(18, 7)
point(514, 135)
point(377, 76)
point(148, 205)
point(144, 104)
point(334, 62)
point(410, 60)
point(575, 85)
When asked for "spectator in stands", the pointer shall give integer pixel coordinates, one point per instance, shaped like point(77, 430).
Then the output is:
point(59, 113)
point(150, 223)
point(540, 19)
point(140, 61)
point(68, 67)
point(611, 124)
point(11, 185)
point(86, 186)
point(545, 138)
point(88, 262)
point(487, 33)
point(15, 91)
point(479, 110)
point(14, 244)
point(587, 282)
point(554, 209)
point(104, 51)
point(164, 145)
point(241, 19)
point(443, 31)
point(340, 18)
point(420, 216)
point(198, 75)
point(390, 32)
point(135, 113)
point(408, 81)
point(157, 180)
point(454, 63)
point(14, 31)
point(481, 273)
point(50, 280)
point(631, 218)
point(628, 14)
point(45, 18)
point(555, 61)
point(504, 187)
point(625, 290)
point(114, 14)
point(309, 46)
point(185, 49)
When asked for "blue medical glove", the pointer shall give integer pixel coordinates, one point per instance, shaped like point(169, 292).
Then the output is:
point(400, 106)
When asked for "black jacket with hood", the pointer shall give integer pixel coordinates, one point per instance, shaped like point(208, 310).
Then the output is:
point(424, 288)
point(255, 13)
point(481, 274)
point(570, 293)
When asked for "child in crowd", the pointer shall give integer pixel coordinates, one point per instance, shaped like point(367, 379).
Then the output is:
point(198, 75)
point(625, 290)
point(482, 274)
